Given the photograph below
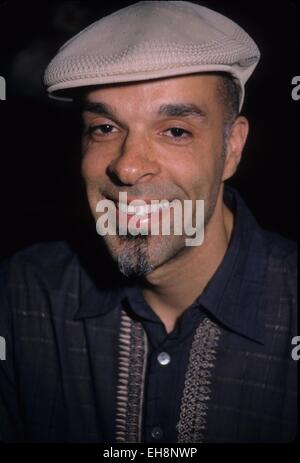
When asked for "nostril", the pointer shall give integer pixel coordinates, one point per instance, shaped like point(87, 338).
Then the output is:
point(113, 176)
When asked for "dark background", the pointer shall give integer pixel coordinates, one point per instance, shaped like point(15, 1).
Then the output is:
point(41, 193)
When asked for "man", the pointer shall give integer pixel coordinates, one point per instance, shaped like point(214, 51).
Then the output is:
point(168, 340)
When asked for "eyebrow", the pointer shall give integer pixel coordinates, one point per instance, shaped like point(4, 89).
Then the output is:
point(165, 110)
point(181, 110)
point(98, 108)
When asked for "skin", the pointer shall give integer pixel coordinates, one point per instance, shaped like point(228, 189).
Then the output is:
point(140, 155)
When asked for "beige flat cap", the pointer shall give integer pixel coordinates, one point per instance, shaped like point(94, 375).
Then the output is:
point(150, 40)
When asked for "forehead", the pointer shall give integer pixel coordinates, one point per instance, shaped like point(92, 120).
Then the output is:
point(199, 89)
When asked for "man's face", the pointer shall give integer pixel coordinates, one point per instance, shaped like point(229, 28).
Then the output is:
point(161, 139)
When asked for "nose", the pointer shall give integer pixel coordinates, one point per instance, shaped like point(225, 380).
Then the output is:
point(135, 163)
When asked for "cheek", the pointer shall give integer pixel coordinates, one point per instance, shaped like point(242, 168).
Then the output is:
point(93, 166)
point(194, 170)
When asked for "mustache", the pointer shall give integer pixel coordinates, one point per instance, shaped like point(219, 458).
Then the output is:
point(147, 191)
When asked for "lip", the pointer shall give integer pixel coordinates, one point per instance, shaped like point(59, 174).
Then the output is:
point(143, 219)
point(147, 201)
point(143, 209)
point(139, 219)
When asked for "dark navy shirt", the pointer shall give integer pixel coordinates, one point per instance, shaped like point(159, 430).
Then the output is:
point(88, 360)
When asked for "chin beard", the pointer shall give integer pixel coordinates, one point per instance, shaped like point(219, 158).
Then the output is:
point(136, 256)
point(133, 259)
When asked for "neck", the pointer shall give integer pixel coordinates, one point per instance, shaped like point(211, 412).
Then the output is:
point(173, 287)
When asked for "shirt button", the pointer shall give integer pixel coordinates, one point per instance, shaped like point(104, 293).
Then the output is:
point(157, 433)
point(163, 358)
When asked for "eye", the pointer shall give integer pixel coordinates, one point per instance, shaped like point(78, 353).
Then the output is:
point(178, 132)
point(101, 130)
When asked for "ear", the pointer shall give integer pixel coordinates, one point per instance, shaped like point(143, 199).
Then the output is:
point(235, 144)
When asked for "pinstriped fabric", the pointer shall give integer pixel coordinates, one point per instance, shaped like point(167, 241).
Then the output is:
point(131, 379)
point(196, 393)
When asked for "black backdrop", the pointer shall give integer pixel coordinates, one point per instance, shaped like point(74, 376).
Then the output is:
point(41, 193)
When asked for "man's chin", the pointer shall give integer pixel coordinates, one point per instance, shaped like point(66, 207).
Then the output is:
point(133, 256)
point(138, 256)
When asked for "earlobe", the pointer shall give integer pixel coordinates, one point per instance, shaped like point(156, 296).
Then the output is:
point(235, 145)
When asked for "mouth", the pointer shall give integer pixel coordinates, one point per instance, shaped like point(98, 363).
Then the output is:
point(140, 214)
point(140, 206)
point(143, 209)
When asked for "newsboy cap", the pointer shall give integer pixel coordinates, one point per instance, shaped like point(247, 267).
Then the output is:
point(150, 40)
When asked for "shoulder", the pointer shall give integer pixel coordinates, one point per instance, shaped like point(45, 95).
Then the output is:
point(38, 283)
point(280, 283)
point(50, 252)
point(47, 261)
point(282, 253)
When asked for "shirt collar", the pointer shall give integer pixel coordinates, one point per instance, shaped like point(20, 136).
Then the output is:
point(233, 294)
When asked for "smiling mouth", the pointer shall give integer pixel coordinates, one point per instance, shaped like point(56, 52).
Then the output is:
point(139, 206)
point(145, 209)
